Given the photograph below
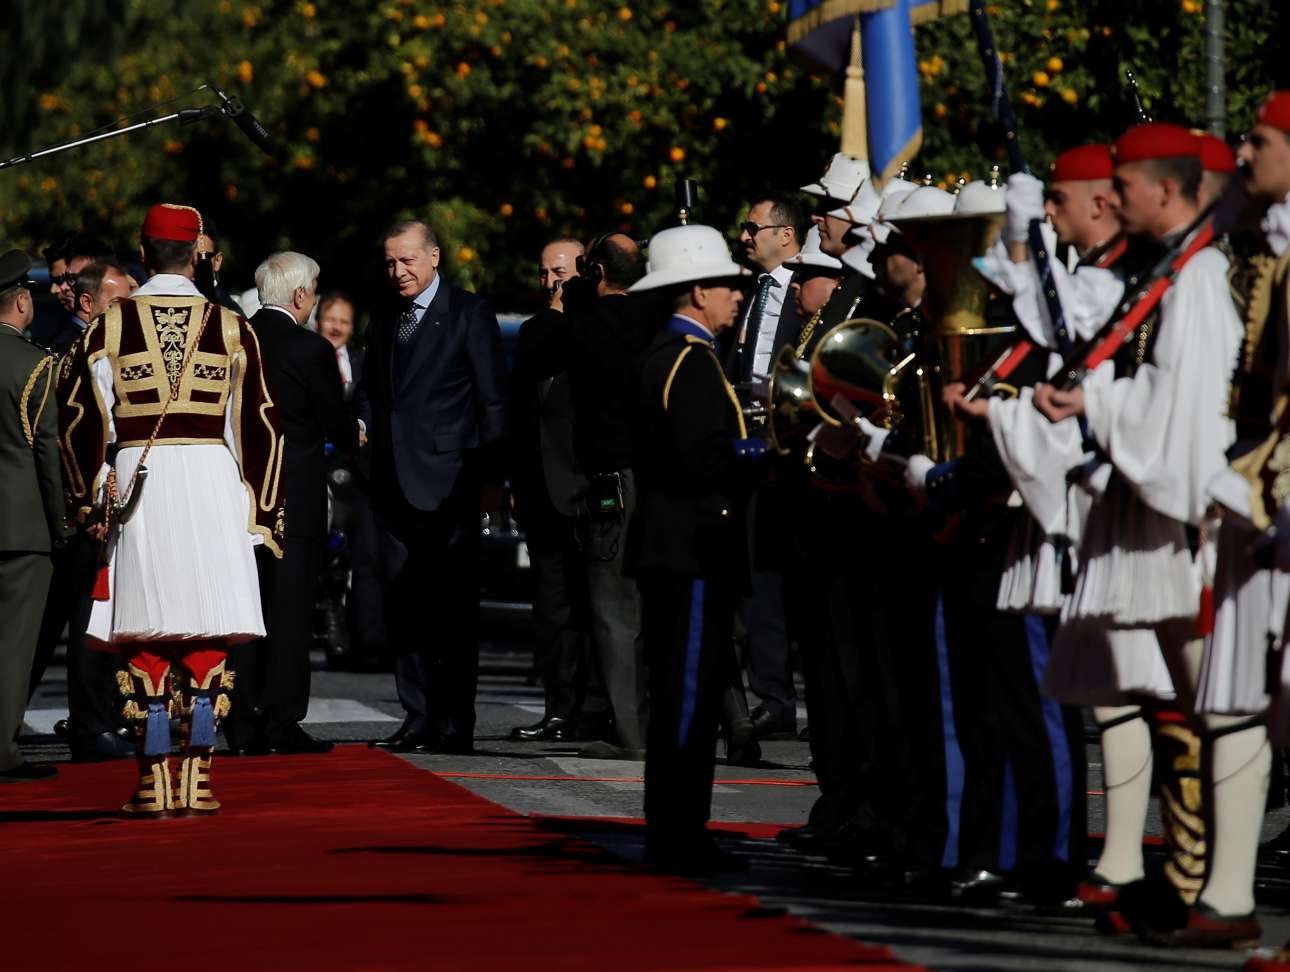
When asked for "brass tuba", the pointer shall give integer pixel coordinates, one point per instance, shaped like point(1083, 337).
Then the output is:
point(955, 303)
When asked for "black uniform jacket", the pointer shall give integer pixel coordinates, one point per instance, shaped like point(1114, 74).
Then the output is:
point(690, 513)
point(307, 391)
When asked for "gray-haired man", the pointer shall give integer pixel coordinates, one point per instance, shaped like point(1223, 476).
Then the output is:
point(272, 690)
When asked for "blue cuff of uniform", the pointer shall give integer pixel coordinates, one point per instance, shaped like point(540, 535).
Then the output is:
point(750, 448)
point(944, 487)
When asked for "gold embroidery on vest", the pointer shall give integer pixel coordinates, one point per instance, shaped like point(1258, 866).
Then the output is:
point(172, 334)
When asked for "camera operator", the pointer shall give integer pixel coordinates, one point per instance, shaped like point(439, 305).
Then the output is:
point(549, 488)
point(597, 340)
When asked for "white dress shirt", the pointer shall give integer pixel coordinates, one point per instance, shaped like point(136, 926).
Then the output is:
point(765, 349)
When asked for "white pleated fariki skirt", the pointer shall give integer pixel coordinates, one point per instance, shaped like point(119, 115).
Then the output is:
point(1031, 582)
point(183, 566)
point(1136, 567)
point(1250, 606)
point(1092, 664)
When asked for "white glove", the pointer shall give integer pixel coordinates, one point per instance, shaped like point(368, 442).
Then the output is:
point(1024, 202)
point(916, 475)
point(875, 437)
point(1276, 226)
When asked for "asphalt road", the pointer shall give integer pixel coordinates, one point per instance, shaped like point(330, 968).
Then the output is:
point(552, 780)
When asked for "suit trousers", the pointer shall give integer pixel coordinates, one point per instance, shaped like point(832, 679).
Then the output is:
point(93, 697)
point(687, 625)
point(271, 691)
point(430, 574)
point(770, 668)
point(24, 584)
point(618, 645)
point(560, 618)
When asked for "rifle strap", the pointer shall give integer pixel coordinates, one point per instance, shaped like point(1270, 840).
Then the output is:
point(1127, 325)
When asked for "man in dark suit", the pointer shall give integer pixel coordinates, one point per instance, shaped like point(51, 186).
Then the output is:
point(31, 504)
point(771, 235)
point(550, 492)
point(272, 689)
point(433, 406)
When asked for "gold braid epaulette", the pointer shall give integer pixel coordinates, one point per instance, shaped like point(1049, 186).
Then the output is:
point(29, 423)
point(804, 341)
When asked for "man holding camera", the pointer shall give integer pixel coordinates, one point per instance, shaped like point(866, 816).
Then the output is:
point(549, 492)
point(597, 340)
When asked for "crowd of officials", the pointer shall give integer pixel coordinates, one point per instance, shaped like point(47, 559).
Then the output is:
point(953, 614)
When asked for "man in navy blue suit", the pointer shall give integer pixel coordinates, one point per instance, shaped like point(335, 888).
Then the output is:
point(432, 402)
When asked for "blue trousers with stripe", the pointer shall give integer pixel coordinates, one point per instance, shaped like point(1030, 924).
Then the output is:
point(687, 624)
point(1023, 793)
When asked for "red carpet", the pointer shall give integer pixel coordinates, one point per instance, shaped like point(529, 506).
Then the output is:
point(355, 861)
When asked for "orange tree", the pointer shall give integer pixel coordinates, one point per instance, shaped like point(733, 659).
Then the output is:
point(1064, 61)
point(508, 122)
point(505, 121)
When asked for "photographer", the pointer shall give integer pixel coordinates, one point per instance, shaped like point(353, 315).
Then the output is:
point(549, 489)
point(597, 340)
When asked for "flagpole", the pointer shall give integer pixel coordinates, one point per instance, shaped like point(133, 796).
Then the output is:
point(855, 138)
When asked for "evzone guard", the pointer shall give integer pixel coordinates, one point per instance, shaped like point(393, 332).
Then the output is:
point(170, 440)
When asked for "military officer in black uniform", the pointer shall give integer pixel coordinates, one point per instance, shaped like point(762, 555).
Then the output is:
point(686, 543)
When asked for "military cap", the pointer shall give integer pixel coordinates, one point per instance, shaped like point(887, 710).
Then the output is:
point(1154, 140)
point(15, 270)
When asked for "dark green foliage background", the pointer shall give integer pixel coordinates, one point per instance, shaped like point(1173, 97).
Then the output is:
point(511, 121)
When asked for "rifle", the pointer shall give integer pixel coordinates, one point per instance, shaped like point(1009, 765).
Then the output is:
point(1144, 292)
point(1001, 107)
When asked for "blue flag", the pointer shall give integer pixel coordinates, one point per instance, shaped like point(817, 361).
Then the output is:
point(820, 30)
point(893, 114)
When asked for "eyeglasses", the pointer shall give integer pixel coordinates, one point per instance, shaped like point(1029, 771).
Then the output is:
point(752, 229)
point(64, 280)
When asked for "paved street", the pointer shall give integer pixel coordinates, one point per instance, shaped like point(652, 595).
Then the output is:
point(552, 781)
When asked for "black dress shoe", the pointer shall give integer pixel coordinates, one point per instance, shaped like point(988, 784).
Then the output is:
point(28, 773)
point(978, 887)
point(296, 741)
point(104, 746)
point(453, 745)
point(743, 754)
point(539, 731)
point(404, 739)
point(767, 725)
point(62, 728)
point(692, 858)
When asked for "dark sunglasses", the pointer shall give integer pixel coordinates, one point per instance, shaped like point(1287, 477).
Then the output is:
point(752, 229)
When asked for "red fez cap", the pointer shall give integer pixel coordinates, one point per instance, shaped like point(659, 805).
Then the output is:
point(1083, 164)
point(1154, 140)
point(169, 222)
point(1276, 111)
point(1215, 154)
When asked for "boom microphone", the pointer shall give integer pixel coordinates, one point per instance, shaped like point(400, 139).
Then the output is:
point(243, 119)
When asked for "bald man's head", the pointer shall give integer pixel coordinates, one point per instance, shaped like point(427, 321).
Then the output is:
point(620, 260)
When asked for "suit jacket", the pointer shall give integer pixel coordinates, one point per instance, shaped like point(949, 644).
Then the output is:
point(446, 402)
point(540, 431)
point(31, 482)
point(787, 329)
point(357, 360)
point(68, 334)
point(306, 390)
